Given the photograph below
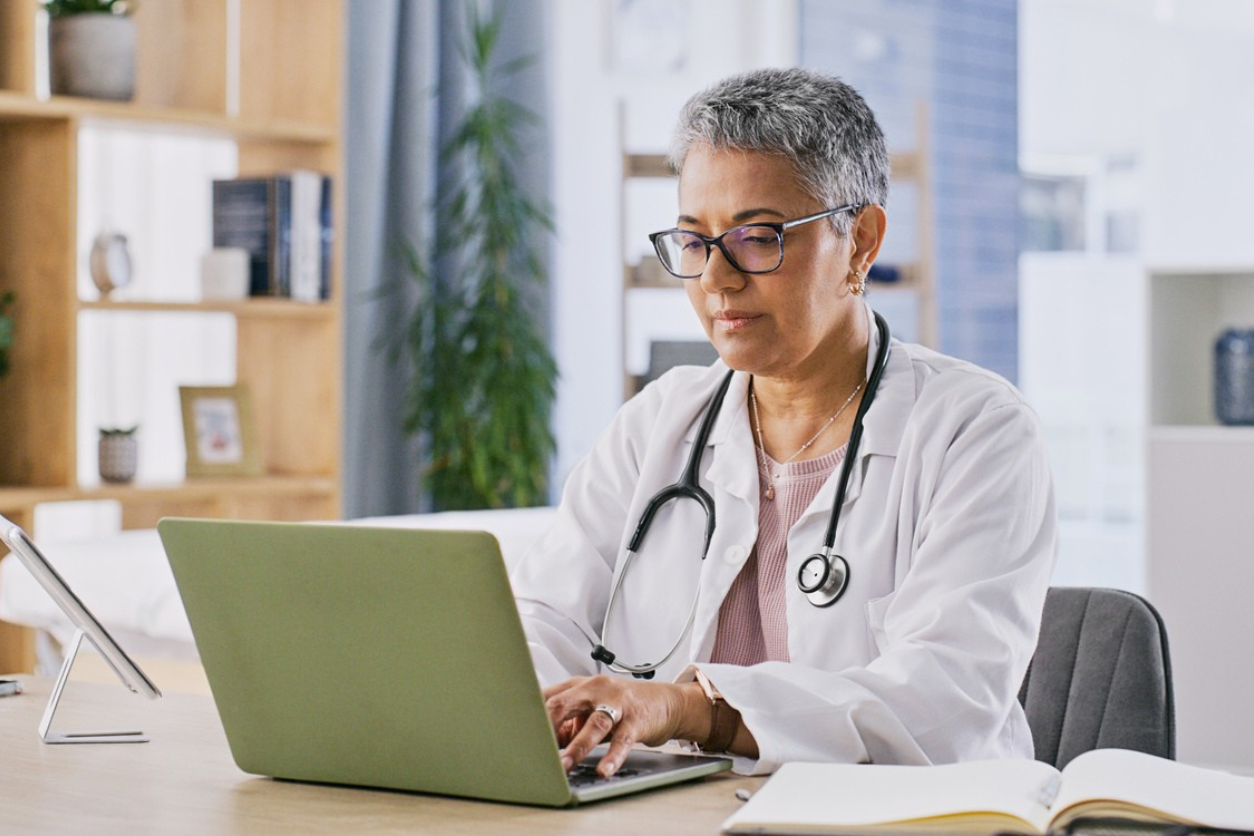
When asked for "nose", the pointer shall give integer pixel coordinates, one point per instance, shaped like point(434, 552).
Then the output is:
point(720, 276)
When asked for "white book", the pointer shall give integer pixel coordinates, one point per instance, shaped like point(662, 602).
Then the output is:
point(985, 797)
point(306, 235)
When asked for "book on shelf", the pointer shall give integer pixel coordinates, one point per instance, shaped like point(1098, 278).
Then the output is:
point(995, 796)
point(284, 222)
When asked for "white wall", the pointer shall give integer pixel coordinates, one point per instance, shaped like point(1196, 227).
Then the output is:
point(1165, 82)
point(1162, 86)
point(716, 38)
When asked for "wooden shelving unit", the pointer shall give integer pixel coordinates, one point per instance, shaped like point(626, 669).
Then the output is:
point(918, 277)
point(265, 74)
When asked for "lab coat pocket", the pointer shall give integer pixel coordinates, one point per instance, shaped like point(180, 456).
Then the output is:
point(876, 608)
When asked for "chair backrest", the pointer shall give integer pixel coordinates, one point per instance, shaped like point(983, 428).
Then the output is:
point(1100, 678)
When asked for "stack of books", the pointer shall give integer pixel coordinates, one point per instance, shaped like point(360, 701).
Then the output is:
point(284, 222)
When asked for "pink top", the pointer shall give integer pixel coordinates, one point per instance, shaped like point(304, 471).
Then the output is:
point(752, 622)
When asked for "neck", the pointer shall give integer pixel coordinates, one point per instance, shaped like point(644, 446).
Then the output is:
point(791, 410)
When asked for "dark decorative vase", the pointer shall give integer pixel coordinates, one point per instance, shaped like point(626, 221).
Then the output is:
point(1234, 377)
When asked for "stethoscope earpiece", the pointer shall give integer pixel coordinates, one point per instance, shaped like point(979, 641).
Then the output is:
point(823, 578)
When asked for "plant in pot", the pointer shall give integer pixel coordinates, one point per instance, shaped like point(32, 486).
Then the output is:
point(91, 48)
point(6, 331)
point(483, 375)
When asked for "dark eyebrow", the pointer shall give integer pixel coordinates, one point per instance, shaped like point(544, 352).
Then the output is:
point(740, 217)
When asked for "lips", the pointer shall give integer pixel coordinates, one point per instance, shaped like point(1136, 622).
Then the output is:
point(731, 320)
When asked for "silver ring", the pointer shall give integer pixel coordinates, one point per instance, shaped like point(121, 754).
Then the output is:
point(609, 711)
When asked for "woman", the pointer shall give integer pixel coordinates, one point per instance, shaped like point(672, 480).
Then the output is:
point(947, 523)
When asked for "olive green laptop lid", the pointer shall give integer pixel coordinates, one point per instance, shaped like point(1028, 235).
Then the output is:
point(379, 657)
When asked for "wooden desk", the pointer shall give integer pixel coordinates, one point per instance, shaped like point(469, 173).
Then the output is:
point(184, 781)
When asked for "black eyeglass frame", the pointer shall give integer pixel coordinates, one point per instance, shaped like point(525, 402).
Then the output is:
point(778, 227)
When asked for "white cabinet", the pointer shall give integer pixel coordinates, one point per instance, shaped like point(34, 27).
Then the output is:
point(1200, 513)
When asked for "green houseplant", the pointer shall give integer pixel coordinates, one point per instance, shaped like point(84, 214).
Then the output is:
point(91, 48)
point(483, 376)
point(6, 331)
point(65, 8)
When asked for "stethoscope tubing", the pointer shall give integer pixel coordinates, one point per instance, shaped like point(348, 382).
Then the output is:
point(644, 670)
point(688, 487)
point(855, 434)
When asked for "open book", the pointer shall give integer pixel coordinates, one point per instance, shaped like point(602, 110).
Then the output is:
point(985, 797)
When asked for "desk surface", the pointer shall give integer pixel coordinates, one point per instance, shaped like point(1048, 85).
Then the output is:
point(184, 781)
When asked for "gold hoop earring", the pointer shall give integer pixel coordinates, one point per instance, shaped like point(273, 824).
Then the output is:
point(858, 285)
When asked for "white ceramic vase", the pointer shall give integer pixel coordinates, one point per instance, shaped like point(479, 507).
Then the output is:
point(119, 456)
point(93, 55)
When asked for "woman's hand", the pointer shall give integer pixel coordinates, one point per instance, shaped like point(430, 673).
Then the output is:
point(649, 712)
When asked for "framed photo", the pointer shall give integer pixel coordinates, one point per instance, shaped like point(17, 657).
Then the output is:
point(218, 431)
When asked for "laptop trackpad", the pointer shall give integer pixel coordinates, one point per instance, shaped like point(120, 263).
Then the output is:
point(642, 768)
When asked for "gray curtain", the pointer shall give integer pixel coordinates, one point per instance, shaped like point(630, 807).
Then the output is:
point(405, 87)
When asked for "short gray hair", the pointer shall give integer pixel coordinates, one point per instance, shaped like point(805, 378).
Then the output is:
point(817, 121)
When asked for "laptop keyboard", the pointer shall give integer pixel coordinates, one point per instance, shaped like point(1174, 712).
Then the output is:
point(585, 774)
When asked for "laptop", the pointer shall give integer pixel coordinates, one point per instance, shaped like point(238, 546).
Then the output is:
point(381, 657)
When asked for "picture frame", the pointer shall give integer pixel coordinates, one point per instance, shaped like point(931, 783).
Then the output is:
point(218, 431)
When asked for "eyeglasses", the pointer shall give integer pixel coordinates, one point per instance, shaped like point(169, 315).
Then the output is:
point(751, 248)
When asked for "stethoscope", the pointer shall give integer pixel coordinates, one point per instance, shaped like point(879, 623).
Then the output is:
point(823, 577)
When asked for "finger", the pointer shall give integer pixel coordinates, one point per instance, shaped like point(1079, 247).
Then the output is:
point(567, 730)
point(620, 747)
point(566, 706)
point(566, 685)
point(596, 727)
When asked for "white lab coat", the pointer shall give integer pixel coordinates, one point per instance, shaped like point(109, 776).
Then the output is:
point(949, 528)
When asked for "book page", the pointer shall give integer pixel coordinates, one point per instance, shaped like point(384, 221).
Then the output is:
point(1117, 782)
point(976, 797)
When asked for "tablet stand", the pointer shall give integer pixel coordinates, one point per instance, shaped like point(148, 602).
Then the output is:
point(71, 653)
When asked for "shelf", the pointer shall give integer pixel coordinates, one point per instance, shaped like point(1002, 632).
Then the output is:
point(649, 273)
point(143, 506)
point(1201, 434)
point(906, 166)
point(910, 278)
point(258, 308)
point(1187, 311)
point(192, 489)
point(647, 165)
point(17, 107)
point(212, 488)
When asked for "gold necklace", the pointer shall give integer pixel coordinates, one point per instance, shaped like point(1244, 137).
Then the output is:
point(757, 426)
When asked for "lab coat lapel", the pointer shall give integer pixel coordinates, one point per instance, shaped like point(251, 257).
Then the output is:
point(732, 479)
point(885, 421)
point(883, 426)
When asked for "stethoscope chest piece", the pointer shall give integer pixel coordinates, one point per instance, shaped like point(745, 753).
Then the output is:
point(823, 578)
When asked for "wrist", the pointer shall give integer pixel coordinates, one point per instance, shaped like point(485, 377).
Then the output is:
point(722, 722)
point(694, 723)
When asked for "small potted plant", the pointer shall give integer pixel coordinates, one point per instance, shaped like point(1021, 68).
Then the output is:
point(6, 331)
point(91, 48)
point(119, 454)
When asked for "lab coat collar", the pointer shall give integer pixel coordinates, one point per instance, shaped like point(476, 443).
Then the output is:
point(731, 434)
point(883, 426)
point(885, 421)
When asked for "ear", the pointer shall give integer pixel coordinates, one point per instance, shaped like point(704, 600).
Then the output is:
point(866, 236)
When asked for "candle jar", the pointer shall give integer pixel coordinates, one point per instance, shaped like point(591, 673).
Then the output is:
point(1234, 377)
point(119, 455)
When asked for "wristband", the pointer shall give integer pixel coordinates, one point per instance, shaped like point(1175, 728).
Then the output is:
point(724, 720)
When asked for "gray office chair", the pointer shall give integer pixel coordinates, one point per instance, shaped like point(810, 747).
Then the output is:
point(1100, 677)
